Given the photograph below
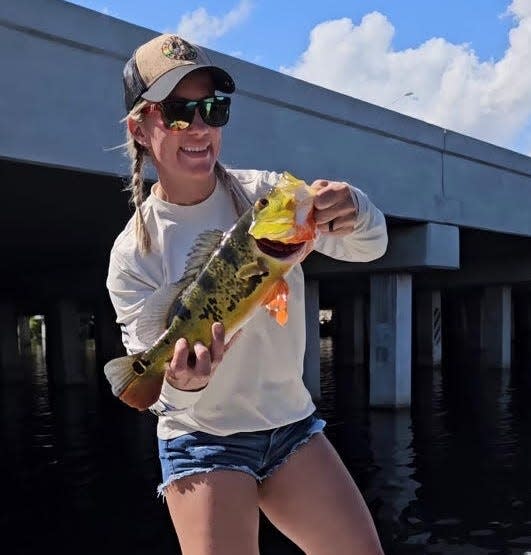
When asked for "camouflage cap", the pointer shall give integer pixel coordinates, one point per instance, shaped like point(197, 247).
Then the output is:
point(159, 65)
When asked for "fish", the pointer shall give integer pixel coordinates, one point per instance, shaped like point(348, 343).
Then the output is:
point(228, 277)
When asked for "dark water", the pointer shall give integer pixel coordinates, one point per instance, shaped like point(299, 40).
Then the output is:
point(452, 475)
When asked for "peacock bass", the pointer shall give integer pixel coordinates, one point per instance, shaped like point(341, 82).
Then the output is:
point(227, 278)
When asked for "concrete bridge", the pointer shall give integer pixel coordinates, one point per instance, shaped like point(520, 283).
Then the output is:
point(456, 273)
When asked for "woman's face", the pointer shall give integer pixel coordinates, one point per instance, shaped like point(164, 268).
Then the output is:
point(188, 155)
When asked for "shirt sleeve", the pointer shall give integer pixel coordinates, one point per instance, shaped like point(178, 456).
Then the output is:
point(128, 291)
point(368, 240)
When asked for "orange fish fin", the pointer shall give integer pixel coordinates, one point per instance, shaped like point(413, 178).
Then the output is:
point(276, 302)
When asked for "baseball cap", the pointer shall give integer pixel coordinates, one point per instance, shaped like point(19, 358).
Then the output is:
point(157, 66)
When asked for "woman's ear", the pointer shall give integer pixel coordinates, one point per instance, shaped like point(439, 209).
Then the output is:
point(137, 132)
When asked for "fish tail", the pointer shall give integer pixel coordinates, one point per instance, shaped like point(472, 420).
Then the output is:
point(137, 388)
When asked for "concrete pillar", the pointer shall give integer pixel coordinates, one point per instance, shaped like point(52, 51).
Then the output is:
point(24, 334)
point(429, 328)
point(496, 326)
point(390, 340)
point(107, 334)
point(522, 325)
point(350, 332)
point(43, 335)
point(9, 355)
point(64, 346)
point(312, 363)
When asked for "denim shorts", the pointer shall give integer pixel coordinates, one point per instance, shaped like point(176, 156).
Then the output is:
point(256, 453)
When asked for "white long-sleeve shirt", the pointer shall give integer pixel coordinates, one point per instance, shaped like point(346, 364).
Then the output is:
point(258, 384)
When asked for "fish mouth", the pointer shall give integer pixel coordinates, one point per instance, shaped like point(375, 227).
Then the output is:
point(277, 249)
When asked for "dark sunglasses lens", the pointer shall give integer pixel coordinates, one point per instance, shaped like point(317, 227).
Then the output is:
point(177, 115)
point(215, 111)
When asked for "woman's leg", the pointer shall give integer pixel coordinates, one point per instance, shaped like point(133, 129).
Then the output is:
point(215, 513)
point(313, 500)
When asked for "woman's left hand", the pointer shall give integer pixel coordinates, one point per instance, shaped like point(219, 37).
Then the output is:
point(335, 208)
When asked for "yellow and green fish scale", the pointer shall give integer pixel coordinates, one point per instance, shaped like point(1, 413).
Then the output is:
point(219, 294)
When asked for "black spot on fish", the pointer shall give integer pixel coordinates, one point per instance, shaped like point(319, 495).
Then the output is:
point(212, 300)
point(205, 314)
point(232, 306)
point(229, 255)
point(252, 283)
point(206, 282)
point(182, 311)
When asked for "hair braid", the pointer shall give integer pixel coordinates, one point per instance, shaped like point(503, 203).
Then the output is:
point(137, 198)
point(137, 154)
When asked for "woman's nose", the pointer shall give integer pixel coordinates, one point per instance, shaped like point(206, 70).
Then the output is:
point(197, 123)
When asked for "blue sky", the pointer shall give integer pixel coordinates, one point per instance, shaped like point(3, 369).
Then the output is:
point(467, 63)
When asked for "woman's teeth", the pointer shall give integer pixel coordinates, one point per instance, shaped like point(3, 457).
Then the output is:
point(194, 148)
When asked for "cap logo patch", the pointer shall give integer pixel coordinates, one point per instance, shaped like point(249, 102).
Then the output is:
point(176, 48)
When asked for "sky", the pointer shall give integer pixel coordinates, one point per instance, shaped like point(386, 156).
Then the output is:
point(461, 65)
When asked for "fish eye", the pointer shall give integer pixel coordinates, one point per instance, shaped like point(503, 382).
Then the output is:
point(263, 202)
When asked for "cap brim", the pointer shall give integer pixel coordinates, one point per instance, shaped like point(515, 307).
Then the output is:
point(163, 86)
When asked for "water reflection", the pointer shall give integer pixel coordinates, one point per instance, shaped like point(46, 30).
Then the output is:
point(451, 475)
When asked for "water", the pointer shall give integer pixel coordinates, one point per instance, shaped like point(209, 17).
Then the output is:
point(452, 475)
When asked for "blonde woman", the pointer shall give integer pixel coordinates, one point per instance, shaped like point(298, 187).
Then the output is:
point(245, 437)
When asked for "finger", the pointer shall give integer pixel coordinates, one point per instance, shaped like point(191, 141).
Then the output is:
point(342, 226)
point(333, 193)
point(218, 342)
point(203, 364)
point(180, 355)
point(319, 184)
point(334, 212)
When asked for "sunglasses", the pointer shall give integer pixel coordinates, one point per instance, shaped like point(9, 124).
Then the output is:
point(179, 114)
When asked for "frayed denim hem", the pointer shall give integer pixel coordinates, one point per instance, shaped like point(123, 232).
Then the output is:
point(293, 450)
point(174, 477)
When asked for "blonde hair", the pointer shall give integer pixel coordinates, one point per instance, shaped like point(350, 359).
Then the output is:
point(137, 153)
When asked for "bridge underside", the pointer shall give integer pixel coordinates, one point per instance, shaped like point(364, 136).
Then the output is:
point(58, 226)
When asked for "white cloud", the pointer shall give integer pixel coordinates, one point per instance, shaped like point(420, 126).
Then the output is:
point(201, 28)
point(490, 100)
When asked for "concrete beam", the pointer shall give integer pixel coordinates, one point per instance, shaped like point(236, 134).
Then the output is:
point(480, 272)
point(421, 246)
point(411, 169)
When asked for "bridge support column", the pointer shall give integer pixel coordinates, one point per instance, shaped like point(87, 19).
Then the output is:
point(429, 328)
point(350, 330)
point(390, 340)
point(522, 325)
point(312, 361)
point(9, 355)
point(24, 334)
point(106, 334)
point(496, 326)
point(64, 344)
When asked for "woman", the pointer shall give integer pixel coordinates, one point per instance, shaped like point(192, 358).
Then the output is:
point(240, 410)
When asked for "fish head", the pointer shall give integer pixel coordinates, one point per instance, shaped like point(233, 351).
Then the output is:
point(283, 222)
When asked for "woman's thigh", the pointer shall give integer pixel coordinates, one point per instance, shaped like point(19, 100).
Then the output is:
point(313, 500)
point(215, 513)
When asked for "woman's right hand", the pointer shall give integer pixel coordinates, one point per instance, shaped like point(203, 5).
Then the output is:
point(192, 370)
